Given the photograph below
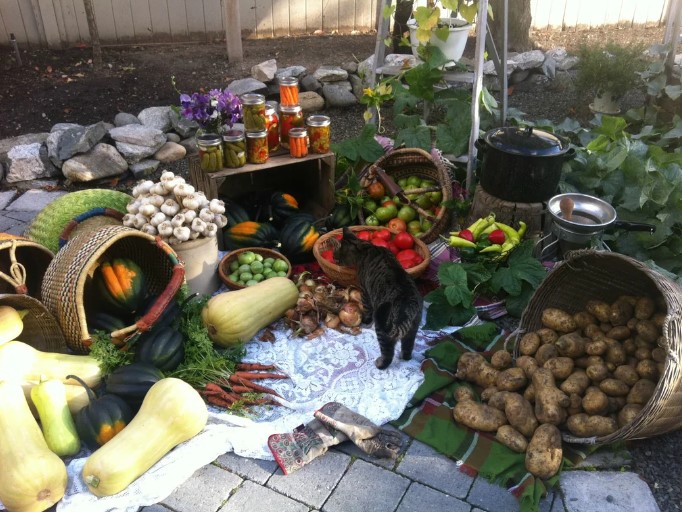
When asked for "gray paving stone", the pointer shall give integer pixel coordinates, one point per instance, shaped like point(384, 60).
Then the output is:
point(367, 488)
point(558, 505)
point(34, 200)
point(492, 497)
point(351, 449)
point(6, 197)
point(314, 482)
point(256, 470)
point(251, 497)
point(606, 491)
point(204, 491)
point(419, 498)
point(604, 459)
point(20, 215)
point(547, 502)
point(424, 464)
point(155, 508)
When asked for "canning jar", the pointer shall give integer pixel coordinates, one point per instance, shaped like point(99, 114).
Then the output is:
point(319, 133)
point(234, 148)
point(257, 147)
point(290, 117)
point(288, 91)
point(253, 111)
point(298, 142)
point(210, 148)
point(272, 125)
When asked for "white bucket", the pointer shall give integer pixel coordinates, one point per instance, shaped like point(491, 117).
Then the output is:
point(201, 261)
point(453, 46)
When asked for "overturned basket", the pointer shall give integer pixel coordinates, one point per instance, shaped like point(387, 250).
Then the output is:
point(597, 275)
point(41, 329)
point(66, 288)
point(22, 265)
point(401, 163)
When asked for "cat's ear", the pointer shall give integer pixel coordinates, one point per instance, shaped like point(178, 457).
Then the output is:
point(348, 234)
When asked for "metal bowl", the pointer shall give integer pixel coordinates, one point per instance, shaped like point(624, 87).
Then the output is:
point(590, 214)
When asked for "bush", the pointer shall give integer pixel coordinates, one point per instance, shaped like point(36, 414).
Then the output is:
point(611, 68)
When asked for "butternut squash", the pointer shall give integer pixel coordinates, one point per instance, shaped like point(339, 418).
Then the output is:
point(59, 430)
point(172, 412)
point(20, 361)
point(11, 323)
point(32, 477)
point(235, 317)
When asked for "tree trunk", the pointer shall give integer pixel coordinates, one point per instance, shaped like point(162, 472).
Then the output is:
point(518, 25)
point(94, 35)
point(402, 14)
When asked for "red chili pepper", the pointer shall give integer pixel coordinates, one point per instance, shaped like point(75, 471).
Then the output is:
point(467, 235)
point(496, 237)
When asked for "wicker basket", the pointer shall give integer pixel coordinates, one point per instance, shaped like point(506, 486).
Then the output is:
point(88, 221)
point(41, 329)
point(224, 267)
point(347, 276)
point(405, 162)
point(598, 275)
point(22, 265)
point(66, 287)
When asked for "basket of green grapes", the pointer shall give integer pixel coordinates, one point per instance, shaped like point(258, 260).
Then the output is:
point(251, 265)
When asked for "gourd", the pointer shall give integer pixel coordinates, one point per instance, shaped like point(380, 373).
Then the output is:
point(132, 382)
point(102, 418)
point(283, 205)
point(250, 234)
point(33, 478)
point(11, 323)
point(120, 284)
point(171, 413)
point(20, 361)
point(236, 316)
point(298, 235)
point(49, 398)
point(163, 348)
point(76, 397)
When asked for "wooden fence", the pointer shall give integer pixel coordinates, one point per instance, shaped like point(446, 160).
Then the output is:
point(62, 23)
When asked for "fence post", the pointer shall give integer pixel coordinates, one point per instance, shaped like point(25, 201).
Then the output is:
point(233, 31)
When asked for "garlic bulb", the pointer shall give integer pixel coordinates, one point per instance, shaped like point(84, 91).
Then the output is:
point(181, 233)
point(216, 206)
point(129, 220)
point(170, 185)
point(211, 229)
point(198, 226)
point(139, 220)
point(133, 207)
point(167, 175)
point(170, 207)
point(149, 229)
point(145, 186)
point(158, 218)
point(183, 190)
point(158, 189)
point(203, 200)
point(178, 220)
point(148, 210)
point(172, 240)
point(190, 215)
point(194, 235)
point(191, 202)
point(156, 200)
point(165, 229)
point(206, 215)
point(220, 220)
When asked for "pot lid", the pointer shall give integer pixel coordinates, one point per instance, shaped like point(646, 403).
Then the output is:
point(581, 213)
point(526, 141)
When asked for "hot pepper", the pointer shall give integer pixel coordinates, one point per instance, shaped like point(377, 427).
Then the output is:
point(456, 241)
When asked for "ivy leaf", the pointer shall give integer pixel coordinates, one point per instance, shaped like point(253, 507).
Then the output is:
point(406, 121)
point(437, 296)
point(368, 148)
point(421, 80)
point(477, 273)
point(415, 137)
point(439, 316)
point(504, 279)
point(453, 139)
point(452, 274)
point(516, 304)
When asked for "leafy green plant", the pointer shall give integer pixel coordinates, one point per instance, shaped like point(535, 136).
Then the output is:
point(452, 303)
point(609, 68)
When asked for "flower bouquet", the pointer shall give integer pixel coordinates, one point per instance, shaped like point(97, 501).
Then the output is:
point(211, 110)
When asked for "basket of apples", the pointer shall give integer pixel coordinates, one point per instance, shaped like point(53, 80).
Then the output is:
point(412, 254)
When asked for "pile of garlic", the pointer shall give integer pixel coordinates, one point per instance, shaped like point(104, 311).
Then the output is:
point(173, 210)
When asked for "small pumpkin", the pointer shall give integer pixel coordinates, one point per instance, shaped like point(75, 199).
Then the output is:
point(132, 381)
point(163, 348)
point(103, 417)
point(298, 235)
point(250, 234)
point(120, 284)
point(283, 205)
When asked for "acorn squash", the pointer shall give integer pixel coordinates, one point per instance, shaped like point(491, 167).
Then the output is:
point(250, 234)
point(235, 213)
point(162, 348)
point(283, 205)
point(132, 381)
point(120, 284)
point(102, 321)
point(103, 417)
point(298, 235)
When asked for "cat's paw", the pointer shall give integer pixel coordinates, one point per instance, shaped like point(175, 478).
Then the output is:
point(406, 357)
point(382, 363)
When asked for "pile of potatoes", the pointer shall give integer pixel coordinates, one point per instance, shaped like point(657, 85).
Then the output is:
point(588, 373)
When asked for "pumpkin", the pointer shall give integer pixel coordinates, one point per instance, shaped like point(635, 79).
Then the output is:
point(250, 234)
point(49, 398)
point(120, 284)
point(298, 235)
point(235, 213)
point(340, 217)
point(171, 413)
point(11, 323)
point(283, 205)
point(22, 362)
point(235, 317)
point(33, 478)
point(132, 381)
point(163, 348)
point(103, 417)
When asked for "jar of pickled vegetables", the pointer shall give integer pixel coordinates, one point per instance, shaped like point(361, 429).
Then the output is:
point(253, 111)
point(210, 148)
point(288, 91)
point(298, 142)
point(272, 126)
point(319, 133)
point(234, 148)
point(257, 147)
point(290, 117)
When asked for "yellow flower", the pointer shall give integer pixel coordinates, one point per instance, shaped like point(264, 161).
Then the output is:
point(368, 92)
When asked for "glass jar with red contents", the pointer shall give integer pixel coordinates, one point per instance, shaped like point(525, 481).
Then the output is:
point(257, 147)
point(290, 117)
point(288, 91)
point(298, 142)
point(272, 126)
point(253, 112)
point(319, 133)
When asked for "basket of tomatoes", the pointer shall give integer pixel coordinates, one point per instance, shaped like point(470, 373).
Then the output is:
point(412, 254)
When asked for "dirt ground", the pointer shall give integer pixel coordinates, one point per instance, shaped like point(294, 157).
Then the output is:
point(60, 86)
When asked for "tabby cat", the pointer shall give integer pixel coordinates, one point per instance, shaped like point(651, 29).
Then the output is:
point(389, 295)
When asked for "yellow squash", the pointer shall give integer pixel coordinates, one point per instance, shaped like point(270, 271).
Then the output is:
point(76, 396)
point(11, 323)
point(235, 317)
point(32, 478)
point(172, 412)
point(59, 430)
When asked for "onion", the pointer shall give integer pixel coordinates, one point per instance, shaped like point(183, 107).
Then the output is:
point(350, 314)
point(310, 283)
point(305, 294)
point(304, 305)
point(304, 289)
point(355, 295)
point(320, 293)
point(308, 324)
point(332, 321)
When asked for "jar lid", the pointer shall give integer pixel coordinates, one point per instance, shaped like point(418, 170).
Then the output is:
point(233, 135)
point(318, 120)
point(269, 109)
point(209, 139)
point(256, 135)
point(526, 141)
point(298, 133)
point(290, 109)
point(288, 81)
point(252, 99)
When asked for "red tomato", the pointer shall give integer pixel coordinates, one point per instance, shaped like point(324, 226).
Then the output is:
point(380, 242)
point(376, 190)
point(407, 254)
point(389, 203)
point(328, 255)
point(403, 240)
point(338, 237)
point(364, 235)
point(417, 260)
point(406, 263)
point(384, 234)
point(397, 224)
point(393, 248)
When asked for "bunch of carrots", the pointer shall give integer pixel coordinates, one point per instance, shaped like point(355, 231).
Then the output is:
point(298, 146)
point(288, 94)
point(239, 389)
